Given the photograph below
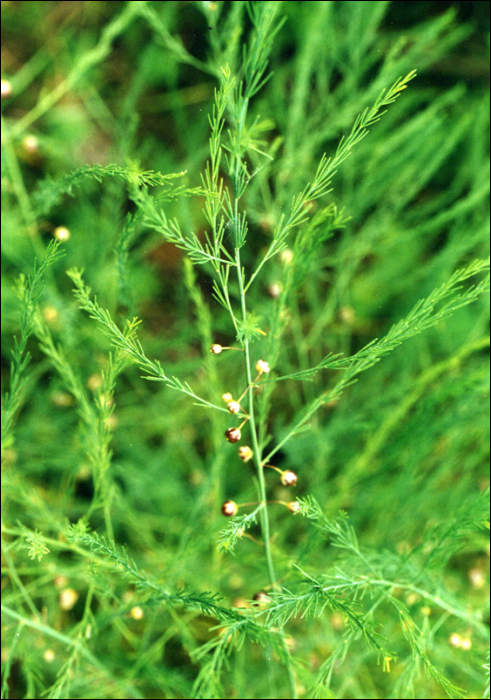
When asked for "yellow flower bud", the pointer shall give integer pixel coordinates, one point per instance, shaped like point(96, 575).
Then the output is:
point(245, 453)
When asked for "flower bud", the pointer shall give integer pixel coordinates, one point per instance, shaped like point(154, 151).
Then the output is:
point(68, 598)
point(289, 478)
point(286, 256)
point(233, 407)
point(230, 508)
point(293, 507)
point(477, 578)
point(61, 233)
point(262, 599)
point(30, 145)
point(216, 349)
point(233, 434)
point(245, 453)
point(455, 639)
point(137, 613)
point(6, 89)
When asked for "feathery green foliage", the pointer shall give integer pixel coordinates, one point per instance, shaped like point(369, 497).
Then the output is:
point(260, 178)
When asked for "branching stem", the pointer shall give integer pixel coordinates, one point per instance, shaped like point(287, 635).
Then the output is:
point(255, 444)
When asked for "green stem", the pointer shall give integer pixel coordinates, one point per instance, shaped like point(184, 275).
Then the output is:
point(255, 443)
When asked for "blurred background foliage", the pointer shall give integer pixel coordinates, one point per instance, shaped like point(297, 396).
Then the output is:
point(403, 448)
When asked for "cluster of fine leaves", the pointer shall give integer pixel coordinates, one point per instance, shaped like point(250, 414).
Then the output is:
point(309, 183)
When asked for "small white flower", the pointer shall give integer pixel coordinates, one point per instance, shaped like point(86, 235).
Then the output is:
point(262, 367)
point(61, 233)
point(6, 89)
